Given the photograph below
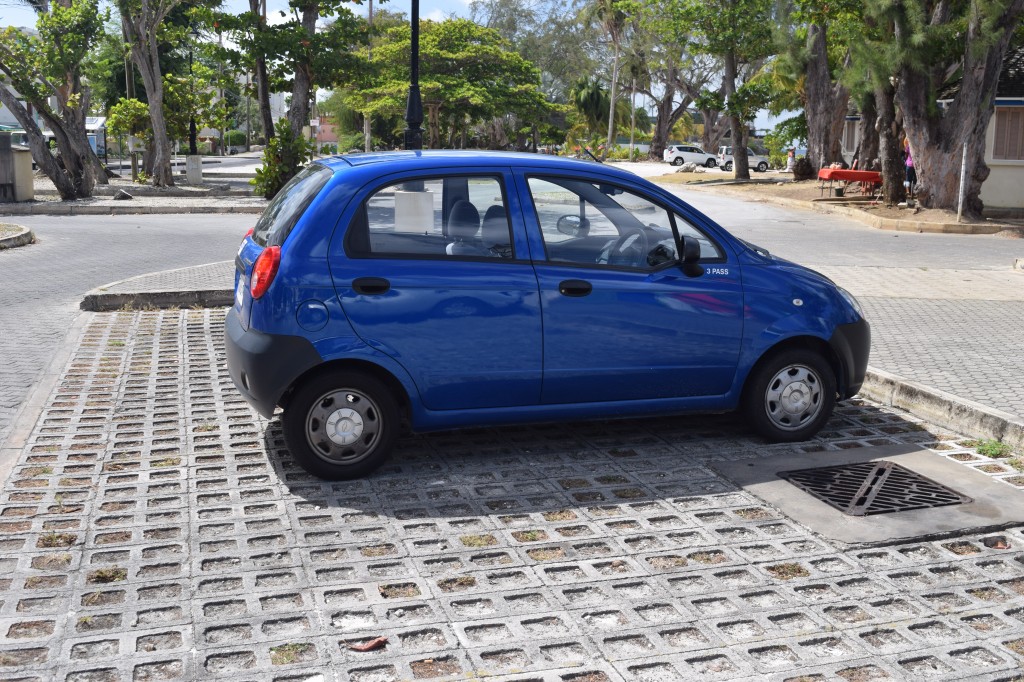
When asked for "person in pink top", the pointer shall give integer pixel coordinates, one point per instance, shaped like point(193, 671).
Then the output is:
point(911, 179)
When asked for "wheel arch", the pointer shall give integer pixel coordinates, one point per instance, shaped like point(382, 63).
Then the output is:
point(354, 365)
point(804, 342)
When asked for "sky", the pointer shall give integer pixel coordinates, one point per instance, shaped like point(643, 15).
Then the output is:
point(17, 13)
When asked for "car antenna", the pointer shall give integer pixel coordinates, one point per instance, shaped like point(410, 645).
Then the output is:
point(591, 155)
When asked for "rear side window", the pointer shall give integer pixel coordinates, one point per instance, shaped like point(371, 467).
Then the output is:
point(289, 204)
point(455, 216)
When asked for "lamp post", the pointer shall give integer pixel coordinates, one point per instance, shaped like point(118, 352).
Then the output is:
point(192, 148)
point(414, 105)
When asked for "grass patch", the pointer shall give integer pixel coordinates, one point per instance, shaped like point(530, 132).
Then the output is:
point(478, 540)
point(51, 540)
point(990, 447)
point(463, 582)
point(286, 654)
point(788, 571)
point(529, 535)
point(560, 515)
point(107, 575)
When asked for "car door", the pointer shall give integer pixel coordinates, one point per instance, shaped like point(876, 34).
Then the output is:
point(621, 319)
point(431, 274)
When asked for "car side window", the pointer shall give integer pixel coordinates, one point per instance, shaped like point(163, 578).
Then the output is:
point(595, 224)
point(456, 216)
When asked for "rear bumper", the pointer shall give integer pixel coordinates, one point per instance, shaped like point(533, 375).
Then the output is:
point(852, 345)
point(264, 366)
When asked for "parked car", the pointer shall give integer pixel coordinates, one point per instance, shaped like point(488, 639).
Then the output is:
point(439, 290)
point(678, 154)
point(754, 161)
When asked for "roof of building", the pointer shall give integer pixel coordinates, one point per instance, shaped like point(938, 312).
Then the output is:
point(1011, 78)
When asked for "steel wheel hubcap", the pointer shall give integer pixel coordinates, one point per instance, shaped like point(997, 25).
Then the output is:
point(343, 426)
point(794, 397)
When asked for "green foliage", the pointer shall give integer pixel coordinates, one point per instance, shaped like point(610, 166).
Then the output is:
point(129, 115)
point(234, 138)
point(283, 157)
point(991, 448)
point(468, 72)
point(782, 137)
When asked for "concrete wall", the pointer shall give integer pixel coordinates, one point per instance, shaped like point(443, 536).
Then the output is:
point(1002, 189)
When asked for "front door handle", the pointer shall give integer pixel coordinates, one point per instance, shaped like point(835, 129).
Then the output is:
point(371, 286)
point(575, 288)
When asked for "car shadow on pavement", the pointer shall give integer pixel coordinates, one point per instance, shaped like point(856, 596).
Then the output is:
point(586, 471)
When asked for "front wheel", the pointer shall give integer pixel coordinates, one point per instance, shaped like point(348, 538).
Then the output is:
point(762, 167)
point(341, 425)
point(678, 161)
point(790, 396)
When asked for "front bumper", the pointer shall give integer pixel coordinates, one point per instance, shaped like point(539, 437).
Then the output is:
point(264, 366)
point(852, 345)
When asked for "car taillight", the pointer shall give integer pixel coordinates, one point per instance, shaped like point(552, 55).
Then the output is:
point(263, 271)
point(249, 233)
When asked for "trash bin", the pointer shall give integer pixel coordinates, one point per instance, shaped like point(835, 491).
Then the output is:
point(16, 180)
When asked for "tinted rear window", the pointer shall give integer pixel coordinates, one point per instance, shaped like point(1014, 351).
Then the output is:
point(289, 204)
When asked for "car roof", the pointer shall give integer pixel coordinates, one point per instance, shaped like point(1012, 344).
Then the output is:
point(412, 160)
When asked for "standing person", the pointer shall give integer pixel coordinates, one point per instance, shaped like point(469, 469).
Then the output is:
point(911, 179)
point(790, 161)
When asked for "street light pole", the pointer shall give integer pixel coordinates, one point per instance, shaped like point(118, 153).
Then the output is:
point(414, 105)
point(192, 148)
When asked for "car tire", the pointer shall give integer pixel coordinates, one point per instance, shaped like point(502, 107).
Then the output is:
point(790, 395)
point(678, 161)
point(710, 163)
point(762, 167)
point(341, 425)
point(727, 166)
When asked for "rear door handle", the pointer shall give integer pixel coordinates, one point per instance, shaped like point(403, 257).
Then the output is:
point(575, 288)
point(371, 286)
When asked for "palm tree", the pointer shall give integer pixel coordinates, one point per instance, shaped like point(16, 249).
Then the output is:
point(591, 100)
point(614, 21)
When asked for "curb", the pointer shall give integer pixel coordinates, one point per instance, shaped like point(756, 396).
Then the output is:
point(60, 209)
point(890, 224)
point(209, 298)
point(26, 236)
point(943, 409)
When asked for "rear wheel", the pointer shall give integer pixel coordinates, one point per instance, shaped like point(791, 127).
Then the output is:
point(341, 425)
point(762, 167)
point(727, 166)
point(678, 161)
point(790, 396)
point(710, 163)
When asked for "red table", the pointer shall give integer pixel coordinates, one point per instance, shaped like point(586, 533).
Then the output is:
point(841, 174)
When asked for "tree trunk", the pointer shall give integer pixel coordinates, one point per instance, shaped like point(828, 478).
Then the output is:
point(867, 135)
point(298, 112)
point(40, 151)
point(825, 106)
point(262, 80)
point(144, 46)
point(715, 126)
point(433, 125)
point(889, 145)
point(740, 163)
point(611, 104)
point(937, 138)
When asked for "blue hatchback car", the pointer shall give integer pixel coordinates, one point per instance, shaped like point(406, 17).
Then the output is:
point(438, 290)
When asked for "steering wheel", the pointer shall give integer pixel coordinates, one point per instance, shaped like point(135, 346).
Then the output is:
point(629, 249)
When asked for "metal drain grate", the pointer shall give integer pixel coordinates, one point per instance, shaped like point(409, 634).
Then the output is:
point(873, 488)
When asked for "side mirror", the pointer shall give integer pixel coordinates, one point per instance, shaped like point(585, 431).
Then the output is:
point(573, 225)
point(691, 257)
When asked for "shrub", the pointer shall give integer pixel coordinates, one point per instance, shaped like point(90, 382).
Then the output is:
point(283, 157)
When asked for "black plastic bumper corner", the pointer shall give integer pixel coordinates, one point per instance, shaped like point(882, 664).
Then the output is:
point(852, 345)
point(263, 366)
